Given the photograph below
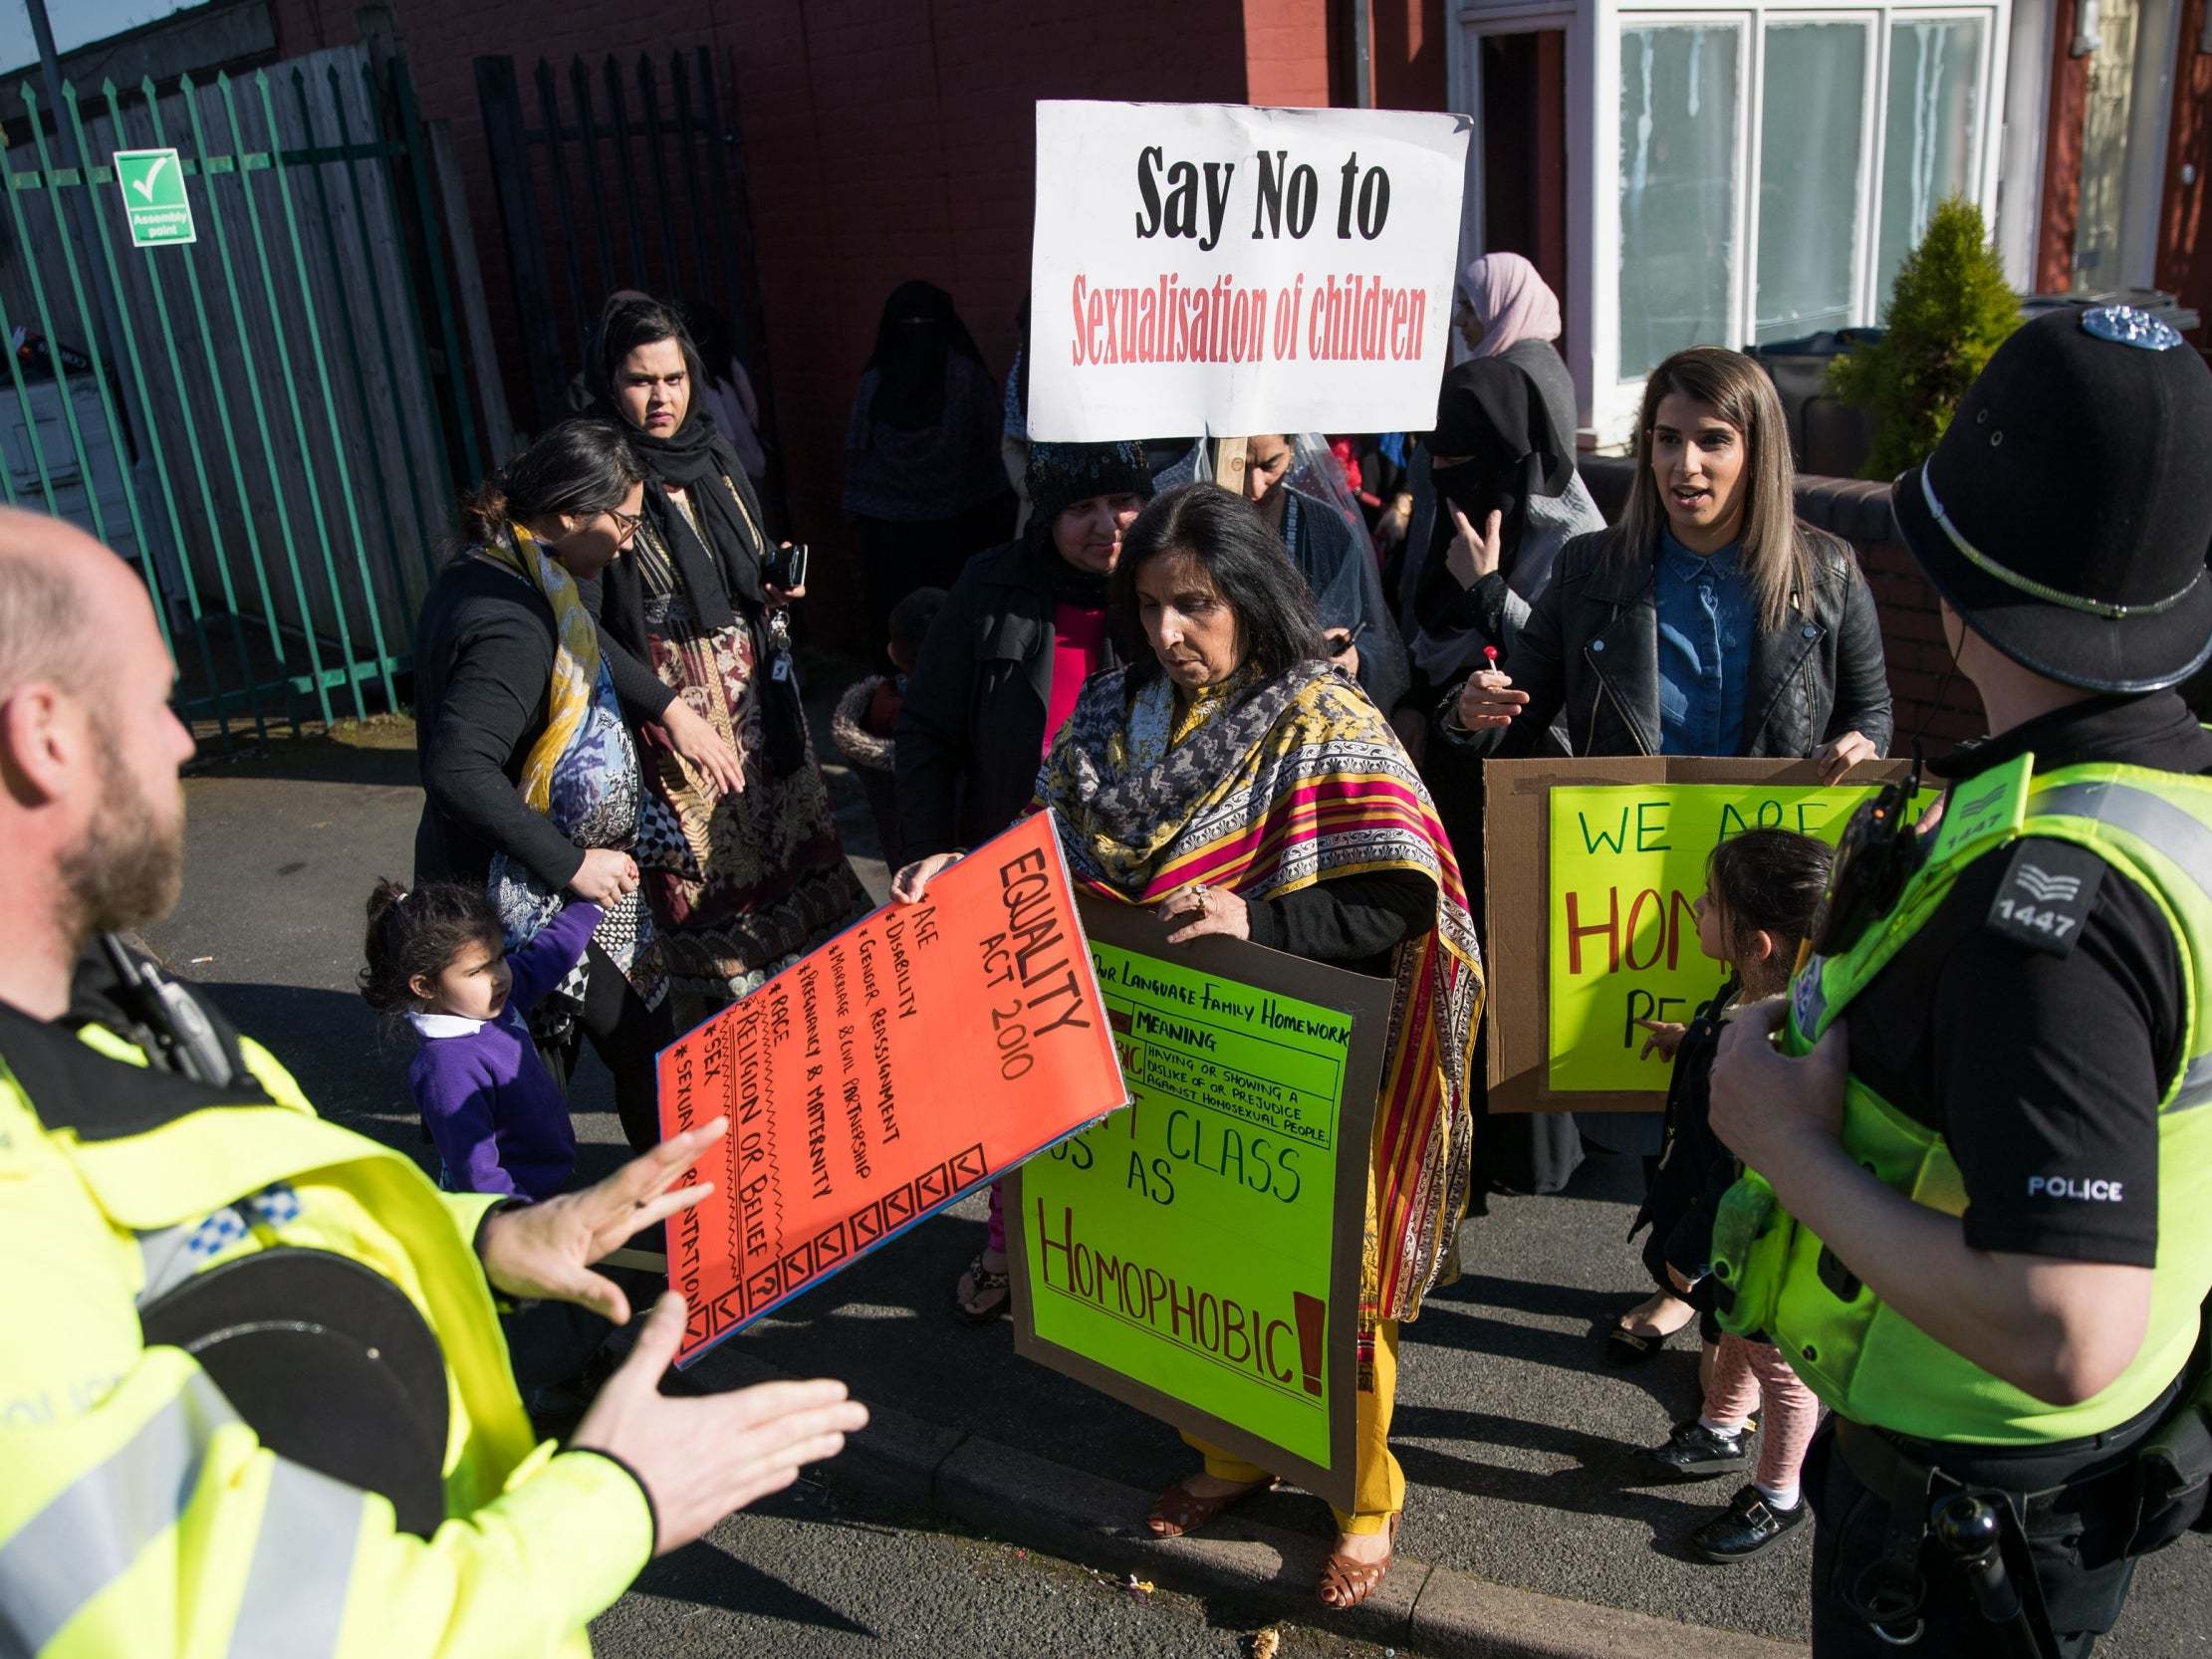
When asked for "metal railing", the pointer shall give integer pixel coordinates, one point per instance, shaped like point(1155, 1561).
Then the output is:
point(654, 197)
point(272, 423)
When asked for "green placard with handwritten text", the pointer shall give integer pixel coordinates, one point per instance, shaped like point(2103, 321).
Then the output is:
point(1627, 862)
point(1193, 1245)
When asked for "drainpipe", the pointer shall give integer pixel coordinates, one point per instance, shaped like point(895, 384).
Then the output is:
point(1362, 52)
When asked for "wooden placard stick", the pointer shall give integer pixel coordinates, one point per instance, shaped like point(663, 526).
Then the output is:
point(1228, 463)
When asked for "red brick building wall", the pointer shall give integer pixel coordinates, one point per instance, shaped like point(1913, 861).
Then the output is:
point(884, 140)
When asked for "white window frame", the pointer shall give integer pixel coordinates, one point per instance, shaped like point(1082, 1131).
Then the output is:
point(1988, 139)
point(1594, 29)
point(1745, 22)
point(1869, 21)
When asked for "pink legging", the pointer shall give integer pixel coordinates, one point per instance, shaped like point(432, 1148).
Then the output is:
point(1748, 1374)
point(995, 1239)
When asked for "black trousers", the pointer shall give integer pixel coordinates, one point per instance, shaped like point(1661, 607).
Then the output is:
point(2076, 1539)
point(626, 1035)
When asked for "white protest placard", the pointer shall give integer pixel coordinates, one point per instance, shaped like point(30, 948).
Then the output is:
point(1222, 269)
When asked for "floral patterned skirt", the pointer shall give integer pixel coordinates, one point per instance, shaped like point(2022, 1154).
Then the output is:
point(760, 878)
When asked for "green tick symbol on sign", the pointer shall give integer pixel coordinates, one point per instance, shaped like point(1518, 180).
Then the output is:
point(154, 197)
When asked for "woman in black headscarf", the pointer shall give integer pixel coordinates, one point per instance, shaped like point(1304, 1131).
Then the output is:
point(923, 478)
point(1495, 498)
point(751, 872)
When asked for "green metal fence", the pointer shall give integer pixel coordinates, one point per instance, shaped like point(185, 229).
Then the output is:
point(268, 420)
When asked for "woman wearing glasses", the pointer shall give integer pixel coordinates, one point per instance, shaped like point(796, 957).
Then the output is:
point(530, 780)
point(753, 874)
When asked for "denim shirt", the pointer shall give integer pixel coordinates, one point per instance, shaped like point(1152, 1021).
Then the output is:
point(1707, 615)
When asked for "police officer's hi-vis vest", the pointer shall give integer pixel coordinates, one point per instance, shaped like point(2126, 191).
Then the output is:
point(1864, 1358)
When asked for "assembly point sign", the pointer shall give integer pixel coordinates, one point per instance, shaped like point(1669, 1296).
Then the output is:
point(1198, 1254)
point(1221, 268)
point(915, 1056)
point(153, 197)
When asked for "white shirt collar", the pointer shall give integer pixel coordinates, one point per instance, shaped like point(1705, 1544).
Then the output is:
point(446, 1025)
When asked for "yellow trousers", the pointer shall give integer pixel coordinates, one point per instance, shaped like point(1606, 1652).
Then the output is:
point(1379, 1484)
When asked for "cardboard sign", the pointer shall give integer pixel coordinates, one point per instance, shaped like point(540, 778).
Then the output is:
point(1198, 1255)
point(918, 1053)
point(1591, 867)
point(1221, 268)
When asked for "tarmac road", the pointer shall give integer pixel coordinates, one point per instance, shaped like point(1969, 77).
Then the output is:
point(819, 1572)
point(1520, 1445)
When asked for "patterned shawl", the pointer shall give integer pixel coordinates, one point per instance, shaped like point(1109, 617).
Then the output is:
point(582, 772)
point(576, 663)
point(1266, 789)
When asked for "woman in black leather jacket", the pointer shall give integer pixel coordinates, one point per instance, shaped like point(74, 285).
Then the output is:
point(1709, 622)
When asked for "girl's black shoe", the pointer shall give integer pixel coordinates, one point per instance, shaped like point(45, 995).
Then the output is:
point(1695, 1450)
point(1748, 1525)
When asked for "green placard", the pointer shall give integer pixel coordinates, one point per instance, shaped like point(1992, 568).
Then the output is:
point(154, 197)
point(1628, 863)
point(1197, 1254)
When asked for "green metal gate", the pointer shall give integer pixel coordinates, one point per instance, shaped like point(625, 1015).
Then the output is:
point(268, 420)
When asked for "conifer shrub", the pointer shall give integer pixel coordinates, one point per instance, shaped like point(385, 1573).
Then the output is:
point(1950, 310)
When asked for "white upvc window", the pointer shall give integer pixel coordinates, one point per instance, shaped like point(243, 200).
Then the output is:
point(1774, 168)
point(1747, 174)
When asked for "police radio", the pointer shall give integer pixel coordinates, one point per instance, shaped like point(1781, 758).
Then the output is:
point(166, 1021)
point(1875, 858)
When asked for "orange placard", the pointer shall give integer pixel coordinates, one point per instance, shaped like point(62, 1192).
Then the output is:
point(925, 1051)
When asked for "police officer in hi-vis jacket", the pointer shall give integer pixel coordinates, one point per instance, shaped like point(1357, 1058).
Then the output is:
point(1978, 1217)
point(253, 1393)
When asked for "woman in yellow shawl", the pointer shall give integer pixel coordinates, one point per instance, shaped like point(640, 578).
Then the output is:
point(531, 785)
point(1236, 781)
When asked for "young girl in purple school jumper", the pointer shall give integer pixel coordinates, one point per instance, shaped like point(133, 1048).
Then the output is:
point(498, 1121)
point(1762, 888)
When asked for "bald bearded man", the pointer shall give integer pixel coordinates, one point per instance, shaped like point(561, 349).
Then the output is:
point(254, 1397)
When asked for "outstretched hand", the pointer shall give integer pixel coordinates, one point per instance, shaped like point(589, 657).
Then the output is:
point(700, 1459)
point(1665, 1039)
point(546, 1250)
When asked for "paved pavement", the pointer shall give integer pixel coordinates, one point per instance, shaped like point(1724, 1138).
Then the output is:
point(1519, 1444)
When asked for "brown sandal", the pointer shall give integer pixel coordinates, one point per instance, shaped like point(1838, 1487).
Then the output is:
point(988, 1297)
point(1353, 1582)
point(1178, 1512)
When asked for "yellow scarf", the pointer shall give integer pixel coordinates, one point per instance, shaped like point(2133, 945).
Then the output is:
point(576, 657)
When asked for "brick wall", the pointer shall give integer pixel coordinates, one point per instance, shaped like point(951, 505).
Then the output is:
point(1911, 629)
point(884, 140)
